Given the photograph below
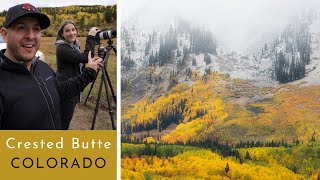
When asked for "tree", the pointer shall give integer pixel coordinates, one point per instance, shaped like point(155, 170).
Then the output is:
point(98, 20)
point(313, 138)
point(241, 160)
point(265, 47)
point(194, 62)
point(248, 156)
point(108, 15)
point(294, 169)
point(227, 168)
point(207, 58)
point(81, 22)
point(114, 12)
point(178, 53)
point(132, 46)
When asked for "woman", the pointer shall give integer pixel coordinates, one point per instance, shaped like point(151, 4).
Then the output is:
point(70, 61)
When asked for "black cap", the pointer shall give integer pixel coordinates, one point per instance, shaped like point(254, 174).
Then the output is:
point(26, 10)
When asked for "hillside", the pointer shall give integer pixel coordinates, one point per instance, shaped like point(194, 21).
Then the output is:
point(230, 110)
point(183, 85)
point(298, 162)
point(254, 109)
point(104, 17)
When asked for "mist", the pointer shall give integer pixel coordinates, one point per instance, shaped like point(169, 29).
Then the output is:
point(237, 24)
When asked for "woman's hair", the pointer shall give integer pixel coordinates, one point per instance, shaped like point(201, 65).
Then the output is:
point(60, 30)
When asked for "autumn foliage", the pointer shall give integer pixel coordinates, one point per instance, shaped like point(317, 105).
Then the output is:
point(231, 111)
point(200, 164)
point(220, 107)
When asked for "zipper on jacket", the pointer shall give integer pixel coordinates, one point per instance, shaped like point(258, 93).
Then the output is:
point(51, 116)
point(32, 72)
point(44, 84)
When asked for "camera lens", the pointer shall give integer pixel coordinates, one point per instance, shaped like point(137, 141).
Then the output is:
point(106, 34)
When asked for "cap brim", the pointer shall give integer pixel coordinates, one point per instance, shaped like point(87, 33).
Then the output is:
point(42, 18)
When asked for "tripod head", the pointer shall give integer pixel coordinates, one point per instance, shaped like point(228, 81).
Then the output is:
point(103, 52)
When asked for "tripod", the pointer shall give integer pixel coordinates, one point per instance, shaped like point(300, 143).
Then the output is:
point(105, 80)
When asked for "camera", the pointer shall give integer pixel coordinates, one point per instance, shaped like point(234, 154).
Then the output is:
point(106, 34)
point(101, 35)
point(101, 51)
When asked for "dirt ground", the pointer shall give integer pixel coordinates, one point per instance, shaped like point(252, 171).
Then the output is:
point(83, 115)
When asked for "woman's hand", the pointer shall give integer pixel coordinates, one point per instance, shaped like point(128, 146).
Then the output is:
point(94, 63)
point(93, 31)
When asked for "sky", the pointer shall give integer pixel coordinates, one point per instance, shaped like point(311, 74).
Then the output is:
point(129, 8)
point(6, 4)
point(235, 22)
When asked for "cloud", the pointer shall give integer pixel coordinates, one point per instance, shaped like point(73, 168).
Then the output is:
point(233, 21)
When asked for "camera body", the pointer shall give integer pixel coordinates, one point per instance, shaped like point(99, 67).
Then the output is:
point(101, 51)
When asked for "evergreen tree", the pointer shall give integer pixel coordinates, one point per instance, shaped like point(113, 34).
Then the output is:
point(248, 157)
point(241, 160)
point(194, 62)
point(108, 15)
point(265, 47)
point(227, 168)
point(313, 138)
point(132, 45)
point(207, 58)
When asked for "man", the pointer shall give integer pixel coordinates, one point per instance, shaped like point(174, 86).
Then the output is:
point(30, 95)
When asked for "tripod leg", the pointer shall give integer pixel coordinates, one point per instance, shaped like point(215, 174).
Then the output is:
point(85, 102)
point(104, 77)
point(97, 105)
point(108, 99)
point(111, 88)
point(106, 57)
point(115, 50)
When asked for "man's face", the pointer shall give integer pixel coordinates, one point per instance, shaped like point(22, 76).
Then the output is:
point(23, 39)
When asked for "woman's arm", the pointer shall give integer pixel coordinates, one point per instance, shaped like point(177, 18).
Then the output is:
point(71, 55)
point(91, 42)
point(73, 86)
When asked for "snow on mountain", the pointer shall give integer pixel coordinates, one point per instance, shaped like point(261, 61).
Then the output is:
point(243, 65)
point(250, 63)
point(313, 69)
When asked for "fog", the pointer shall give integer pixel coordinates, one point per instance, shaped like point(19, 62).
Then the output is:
point(238, 24)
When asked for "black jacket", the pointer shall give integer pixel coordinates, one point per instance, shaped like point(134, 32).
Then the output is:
point(68, 58)
point(31, 99)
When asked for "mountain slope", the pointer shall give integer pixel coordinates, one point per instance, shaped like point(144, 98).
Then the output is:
point(177, 90)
